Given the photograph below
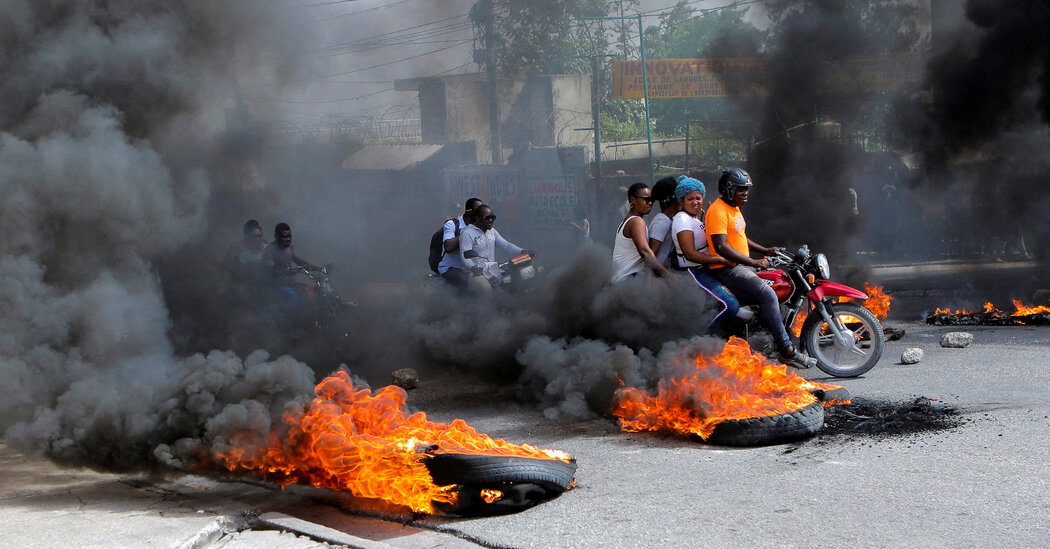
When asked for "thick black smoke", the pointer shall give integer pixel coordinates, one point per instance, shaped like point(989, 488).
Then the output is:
point(107, 108)
point(814, 184)
point(982, 127)
point(122, 185)
point(118, 172)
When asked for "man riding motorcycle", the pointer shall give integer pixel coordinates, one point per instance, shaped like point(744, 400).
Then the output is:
point(727, 238)
point(478, 243)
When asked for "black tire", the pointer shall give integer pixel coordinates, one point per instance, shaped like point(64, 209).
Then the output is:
point(818, 341)
point(522, 482)
point(840, 394)
point(768, 430)
point(467, 469)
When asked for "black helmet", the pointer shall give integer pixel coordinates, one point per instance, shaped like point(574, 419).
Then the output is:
point(730, 180)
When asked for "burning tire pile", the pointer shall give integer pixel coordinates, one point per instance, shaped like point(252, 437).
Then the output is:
point(992, 316)
point(737, 398)
point(355, 440)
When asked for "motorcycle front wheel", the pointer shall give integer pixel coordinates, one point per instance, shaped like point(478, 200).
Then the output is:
point(837, 358)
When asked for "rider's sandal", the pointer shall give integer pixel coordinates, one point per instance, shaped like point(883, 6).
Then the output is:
point(799, 360)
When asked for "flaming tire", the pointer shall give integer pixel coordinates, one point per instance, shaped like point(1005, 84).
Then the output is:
point(819, 341)
point(519, 482)
point(767, 430)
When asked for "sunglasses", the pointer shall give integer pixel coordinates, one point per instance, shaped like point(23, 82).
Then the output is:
point(489, 217)
point(647, 199)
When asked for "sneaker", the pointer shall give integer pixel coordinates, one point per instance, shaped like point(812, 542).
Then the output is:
point(799, 360)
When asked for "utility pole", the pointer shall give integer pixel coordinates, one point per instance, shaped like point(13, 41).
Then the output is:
point(495, 143)
point(596, 98)
point(645, 79)
point(645, 86)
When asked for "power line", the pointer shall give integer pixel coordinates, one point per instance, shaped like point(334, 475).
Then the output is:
point(416, 38)
point(367, 10)
point(395, 61)
point(342, 100)
point(395, 33)
point(321, 4)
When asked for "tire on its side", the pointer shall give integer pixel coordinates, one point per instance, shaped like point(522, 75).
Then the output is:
point(523, 482)
point(769, 430)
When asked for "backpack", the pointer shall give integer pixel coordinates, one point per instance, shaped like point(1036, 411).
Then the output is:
point(437, 245)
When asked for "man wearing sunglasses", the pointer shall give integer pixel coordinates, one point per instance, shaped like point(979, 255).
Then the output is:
point(479, 241)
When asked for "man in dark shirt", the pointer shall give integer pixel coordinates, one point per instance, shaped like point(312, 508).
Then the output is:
point(280, 257)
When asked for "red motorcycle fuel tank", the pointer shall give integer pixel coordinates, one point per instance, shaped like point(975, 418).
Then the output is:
point(779, 281)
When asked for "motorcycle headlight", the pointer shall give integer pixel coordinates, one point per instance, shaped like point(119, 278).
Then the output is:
point(822, 266)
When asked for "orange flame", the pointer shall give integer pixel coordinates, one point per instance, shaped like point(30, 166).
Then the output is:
point(350, 439)
point(1023, 309)
point(878, 302)
point(735, 384)
point(989, 309)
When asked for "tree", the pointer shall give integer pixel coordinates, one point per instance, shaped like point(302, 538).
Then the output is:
point(542, 36)
point(682, 33)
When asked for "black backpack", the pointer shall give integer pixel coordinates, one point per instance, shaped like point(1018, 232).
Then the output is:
point(437, 245)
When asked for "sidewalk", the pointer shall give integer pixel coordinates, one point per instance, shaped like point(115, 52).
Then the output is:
point(43, 506)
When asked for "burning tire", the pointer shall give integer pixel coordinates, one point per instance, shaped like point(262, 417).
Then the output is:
point(844, 359)
point(838, 395)
point(495, 485)
point(775, 429)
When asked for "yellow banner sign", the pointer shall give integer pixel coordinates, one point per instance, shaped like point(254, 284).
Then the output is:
point(689, 78)
point(745, 76)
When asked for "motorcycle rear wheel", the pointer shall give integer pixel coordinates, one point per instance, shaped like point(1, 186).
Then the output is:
point(819, 341)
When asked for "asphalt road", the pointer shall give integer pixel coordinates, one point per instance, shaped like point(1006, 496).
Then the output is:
point(981, 482)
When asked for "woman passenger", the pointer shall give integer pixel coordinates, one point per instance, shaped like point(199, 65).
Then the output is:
point(690, 242)
point(660, 226)
point(631, 252)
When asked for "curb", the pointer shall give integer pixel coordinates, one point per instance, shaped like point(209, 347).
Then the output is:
point(283, 522)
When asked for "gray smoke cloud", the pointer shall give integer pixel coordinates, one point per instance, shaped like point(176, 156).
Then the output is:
point(117, 185)
point(115, 181)
point(101, 167)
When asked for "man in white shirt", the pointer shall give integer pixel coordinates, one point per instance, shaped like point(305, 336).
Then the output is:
point(479, 241)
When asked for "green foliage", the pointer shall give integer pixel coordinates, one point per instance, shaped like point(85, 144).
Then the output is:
point(542, 36)
point(623, 120)
point(682, 33)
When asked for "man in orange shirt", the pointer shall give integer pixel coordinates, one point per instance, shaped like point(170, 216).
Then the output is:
point(726, 237)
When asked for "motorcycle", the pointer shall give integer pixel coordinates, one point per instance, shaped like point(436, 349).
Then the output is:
point(319, 300)
point(844, 337)
point(516, 274)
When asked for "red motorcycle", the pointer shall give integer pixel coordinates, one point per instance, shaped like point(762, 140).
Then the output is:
point(846, 338)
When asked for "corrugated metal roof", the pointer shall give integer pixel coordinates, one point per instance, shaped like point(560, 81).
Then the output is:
point(390, 157)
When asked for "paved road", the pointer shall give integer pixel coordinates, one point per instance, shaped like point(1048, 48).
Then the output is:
point(981, 483)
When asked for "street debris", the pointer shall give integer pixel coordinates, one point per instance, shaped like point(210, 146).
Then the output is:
point(911, 355)
point(884, 419)
point(956, 340)
point(406, 378)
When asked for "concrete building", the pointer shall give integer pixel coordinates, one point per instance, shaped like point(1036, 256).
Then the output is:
point(534, 111)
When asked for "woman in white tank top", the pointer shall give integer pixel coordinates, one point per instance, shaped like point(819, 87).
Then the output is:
point(631, 252)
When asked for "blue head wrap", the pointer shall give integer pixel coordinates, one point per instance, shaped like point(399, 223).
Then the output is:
point(687, 185)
